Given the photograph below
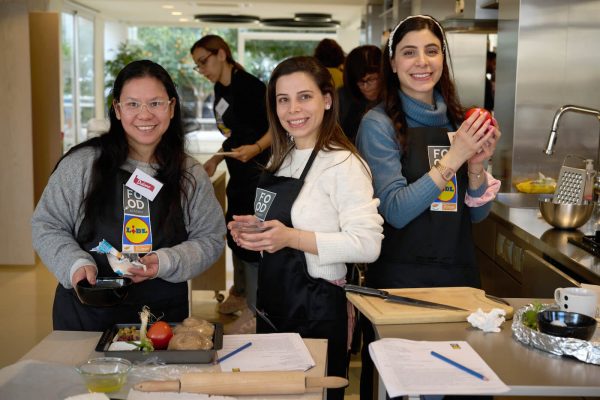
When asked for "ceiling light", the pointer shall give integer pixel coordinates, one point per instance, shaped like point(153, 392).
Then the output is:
point(312, 17)
point(183, 20)
point(168, 6)
point(294, 23)
point(227, 18)
point(176, 13)
point(221, 4)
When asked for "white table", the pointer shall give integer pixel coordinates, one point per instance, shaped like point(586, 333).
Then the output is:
point(72, 348)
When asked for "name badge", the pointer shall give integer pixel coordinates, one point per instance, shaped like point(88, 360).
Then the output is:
point(262, 202)
point(144, 184)
point(448, 199)
point(222, 106)
point(136, 235)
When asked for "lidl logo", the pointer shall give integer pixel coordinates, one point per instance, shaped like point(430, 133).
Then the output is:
point(136, 230)
point(449, 191)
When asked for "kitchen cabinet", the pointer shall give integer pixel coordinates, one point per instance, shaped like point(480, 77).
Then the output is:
point(540, 277)
point(498, 255)
point(521, 255)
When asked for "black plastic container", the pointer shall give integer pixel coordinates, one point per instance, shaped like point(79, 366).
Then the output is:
point(566, 324)
point(106, 292)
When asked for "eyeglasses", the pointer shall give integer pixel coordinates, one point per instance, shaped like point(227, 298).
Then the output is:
point(202, 63)
point(154, 107)
point(367, 81)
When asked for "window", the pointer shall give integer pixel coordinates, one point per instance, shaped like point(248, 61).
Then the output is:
point(77, 45)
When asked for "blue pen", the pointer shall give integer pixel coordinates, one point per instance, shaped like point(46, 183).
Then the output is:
point(459, 366)
point(233, 352)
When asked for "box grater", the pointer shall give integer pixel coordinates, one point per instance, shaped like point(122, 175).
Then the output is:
point(570, 186)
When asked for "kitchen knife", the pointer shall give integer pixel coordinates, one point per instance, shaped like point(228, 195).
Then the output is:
point(244, 383)
point(398, 299)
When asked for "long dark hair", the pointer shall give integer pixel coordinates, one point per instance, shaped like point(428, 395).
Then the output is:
point(329, 53)
point(391, 100)
point(331, 136)
point(361, 61)
point(214, 43)
point(114, 149)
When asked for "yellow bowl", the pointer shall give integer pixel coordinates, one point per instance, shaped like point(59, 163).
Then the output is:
point(105, 374)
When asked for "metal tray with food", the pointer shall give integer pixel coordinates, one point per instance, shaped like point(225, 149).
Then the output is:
point(109, 338)
point(587, 351)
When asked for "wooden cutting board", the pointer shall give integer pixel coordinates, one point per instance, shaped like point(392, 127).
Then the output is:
point(381, 312)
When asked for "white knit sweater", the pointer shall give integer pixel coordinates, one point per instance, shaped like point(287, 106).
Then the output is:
point(336, 202)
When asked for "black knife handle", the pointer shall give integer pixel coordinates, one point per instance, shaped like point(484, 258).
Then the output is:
point(366, 291)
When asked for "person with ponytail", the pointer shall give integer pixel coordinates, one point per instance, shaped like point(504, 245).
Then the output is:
point(241, 116)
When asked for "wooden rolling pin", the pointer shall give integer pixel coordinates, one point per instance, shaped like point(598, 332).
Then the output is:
point(244, 383)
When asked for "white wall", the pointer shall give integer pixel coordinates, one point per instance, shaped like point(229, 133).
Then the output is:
point(16, 154)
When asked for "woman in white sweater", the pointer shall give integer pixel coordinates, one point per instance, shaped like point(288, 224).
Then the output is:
point(314, 212)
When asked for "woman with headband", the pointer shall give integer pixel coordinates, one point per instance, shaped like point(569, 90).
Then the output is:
point(428, 170)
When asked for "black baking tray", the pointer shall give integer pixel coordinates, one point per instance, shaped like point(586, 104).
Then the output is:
point(166, 356)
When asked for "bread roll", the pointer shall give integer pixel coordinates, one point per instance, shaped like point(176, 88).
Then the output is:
point(190, 341)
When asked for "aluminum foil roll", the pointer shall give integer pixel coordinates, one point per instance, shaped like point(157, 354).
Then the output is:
point(583, 350)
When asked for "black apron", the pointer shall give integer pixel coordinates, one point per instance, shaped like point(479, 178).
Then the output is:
point(288, 296)
point(166, 299)
point(433, 250)
point(436, 248)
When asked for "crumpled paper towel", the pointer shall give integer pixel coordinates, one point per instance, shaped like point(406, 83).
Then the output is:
point(487, 322)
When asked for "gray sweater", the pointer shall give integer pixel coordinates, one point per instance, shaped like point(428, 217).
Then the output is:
point(58, 216)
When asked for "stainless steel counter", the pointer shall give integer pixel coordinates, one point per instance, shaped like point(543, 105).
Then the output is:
point(522, 218)
point(527, 371)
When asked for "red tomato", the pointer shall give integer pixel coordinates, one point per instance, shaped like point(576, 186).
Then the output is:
point(488, 115)
point(160, 333)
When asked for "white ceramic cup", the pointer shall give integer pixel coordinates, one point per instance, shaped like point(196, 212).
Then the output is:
point(575, 299)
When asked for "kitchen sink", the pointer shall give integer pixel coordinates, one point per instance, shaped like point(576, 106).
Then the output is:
point(519, 200)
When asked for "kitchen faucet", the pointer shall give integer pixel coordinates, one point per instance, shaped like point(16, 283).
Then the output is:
point(554, 132)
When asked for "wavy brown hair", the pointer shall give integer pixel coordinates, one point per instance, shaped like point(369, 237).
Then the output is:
point(214, 43)
point(391, 99)
point(331, 136)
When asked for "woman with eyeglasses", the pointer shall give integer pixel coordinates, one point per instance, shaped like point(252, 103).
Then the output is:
point(241, 116)
point(361, 87)
point(428, 165)
point(96, 192)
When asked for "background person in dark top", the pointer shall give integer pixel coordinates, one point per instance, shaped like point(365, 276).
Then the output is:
point(361, 86)
point(240, 111)
point(331, 55)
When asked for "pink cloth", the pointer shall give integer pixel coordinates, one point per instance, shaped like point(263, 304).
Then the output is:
point(489, 195)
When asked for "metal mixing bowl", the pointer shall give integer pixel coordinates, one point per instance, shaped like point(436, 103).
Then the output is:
point(565, 216)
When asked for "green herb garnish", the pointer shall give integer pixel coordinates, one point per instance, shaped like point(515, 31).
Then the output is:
point(530, 316)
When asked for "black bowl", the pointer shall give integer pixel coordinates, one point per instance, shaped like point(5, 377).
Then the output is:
point(105, 293)
point(566, 324)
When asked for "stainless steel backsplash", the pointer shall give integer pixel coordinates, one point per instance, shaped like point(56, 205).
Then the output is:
point(548, 56)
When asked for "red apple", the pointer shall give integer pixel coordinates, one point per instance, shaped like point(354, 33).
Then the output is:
point(478, 110)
